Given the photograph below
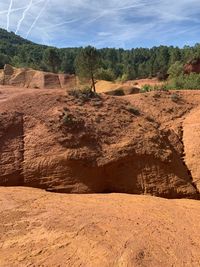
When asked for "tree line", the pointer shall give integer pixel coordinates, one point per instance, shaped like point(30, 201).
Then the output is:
point(113, 64)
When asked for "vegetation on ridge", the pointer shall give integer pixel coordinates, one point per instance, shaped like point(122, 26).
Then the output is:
point(115, 63)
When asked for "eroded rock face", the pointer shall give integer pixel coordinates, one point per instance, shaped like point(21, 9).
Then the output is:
point(8, 69)
point(66, 144)
point(192, 67)
point(29, 78)
point(191, 139)
point(11, 149)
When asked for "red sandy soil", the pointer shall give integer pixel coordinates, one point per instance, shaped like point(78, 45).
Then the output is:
point(46, 229)
point(105, 86)
point(144, 144)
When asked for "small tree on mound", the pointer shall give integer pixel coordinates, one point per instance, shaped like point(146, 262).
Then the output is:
point(52, 59)
point(86, 65)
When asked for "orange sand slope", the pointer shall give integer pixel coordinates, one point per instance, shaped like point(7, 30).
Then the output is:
point(45, 229)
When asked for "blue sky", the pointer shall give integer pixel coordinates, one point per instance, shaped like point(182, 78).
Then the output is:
point(103, 23)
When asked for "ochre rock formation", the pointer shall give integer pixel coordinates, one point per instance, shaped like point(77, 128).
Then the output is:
point(193, 66)
point(61, 143)
point(29, 78)
point(191, 140)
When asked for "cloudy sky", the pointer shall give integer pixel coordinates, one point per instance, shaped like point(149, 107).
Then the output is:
point(103, 23)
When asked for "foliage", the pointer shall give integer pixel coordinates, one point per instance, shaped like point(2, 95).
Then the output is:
point(87, 64)
point(175, 69)
point(133, 110)
point(146, 88)
point(118, 63)
point(4, 60)
point(84, 94)
point(184, 81)
point(52, 59)
point(175, 98)
point(105, 74)
point(68, 119)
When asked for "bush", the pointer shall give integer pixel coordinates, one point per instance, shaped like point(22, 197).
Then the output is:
point(84, 94)
point(133, 110)
point(68, 119)
point(185, 81)
point(105, 74)
point(147, 88)
point(175, 70)
point(4, 59)
point(162, 75)
point(175, 98)
point(71, 121)
point(124, 77)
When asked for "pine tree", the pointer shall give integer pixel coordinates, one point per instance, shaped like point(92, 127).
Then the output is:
point(52, 59)
point(87, 63)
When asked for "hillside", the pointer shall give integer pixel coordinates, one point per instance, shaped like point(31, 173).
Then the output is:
point(12, 38)
point(115, 63)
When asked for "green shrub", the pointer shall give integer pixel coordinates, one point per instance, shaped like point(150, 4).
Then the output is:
point(147, 88)
point(105, 74)
point(175, 70)
point(133, 110)
point(67, 119)
point(185, 81)
point(175, 98)
point(71, 121)
point(84, 94)
point(124, 78)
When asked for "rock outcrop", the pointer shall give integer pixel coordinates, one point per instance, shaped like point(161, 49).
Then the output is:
point(29, 78)
point(191, 138)
point(193, 66)
point(67, 144)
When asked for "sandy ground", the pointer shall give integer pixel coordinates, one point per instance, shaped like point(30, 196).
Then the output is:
point(105, 86)
point(46, 229)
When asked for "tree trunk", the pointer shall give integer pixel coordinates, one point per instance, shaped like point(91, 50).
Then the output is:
point(93, 83)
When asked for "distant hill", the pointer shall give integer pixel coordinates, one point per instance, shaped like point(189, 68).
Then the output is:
point(137, 63)
point(12, 38)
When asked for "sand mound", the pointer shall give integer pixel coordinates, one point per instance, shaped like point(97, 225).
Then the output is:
point(128, 87)
point(66, 144)
point(29, 78)
point(43, 229)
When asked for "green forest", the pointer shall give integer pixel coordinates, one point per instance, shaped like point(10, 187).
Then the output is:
point(115, 63)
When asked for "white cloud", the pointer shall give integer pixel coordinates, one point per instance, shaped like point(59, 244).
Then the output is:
point(101, 22)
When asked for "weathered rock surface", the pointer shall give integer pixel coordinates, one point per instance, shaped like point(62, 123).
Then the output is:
point(191, 138)
point(60, 143)
point(29, 78)
point(45, 229)
point(193, 66)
